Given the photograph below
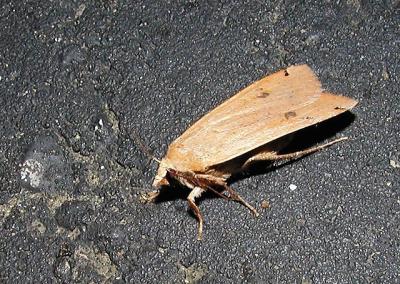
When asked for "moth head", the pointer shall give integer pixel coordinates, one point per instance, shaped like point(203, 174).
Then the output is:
point(161, 177)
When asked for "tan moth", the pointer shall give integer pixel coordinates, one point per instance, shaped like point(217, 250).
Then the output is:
point(254, 125)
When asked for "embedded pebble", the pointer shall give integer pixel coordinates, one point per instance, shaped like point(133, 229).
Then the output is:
point(32, 172)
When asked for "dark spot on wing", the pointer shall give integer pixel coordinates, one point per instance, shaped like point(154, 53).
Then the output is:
point(286, 73)
point(263, 95)
point(290, 114)
point(338, 107)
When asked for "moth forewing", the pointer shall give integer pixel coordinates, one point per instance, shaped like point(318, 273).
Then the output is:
point(261, 115)
point(244, 122)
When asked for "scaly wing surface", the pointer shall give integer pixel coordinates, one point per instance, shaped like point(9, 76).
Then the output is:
point(270, 108)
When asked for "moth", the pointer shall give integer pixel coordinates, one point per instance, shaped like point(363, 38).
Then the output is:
point(254, 125)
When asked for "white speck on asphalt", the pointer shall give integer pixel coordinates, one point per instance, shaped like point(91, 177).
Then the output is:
point(32, 172)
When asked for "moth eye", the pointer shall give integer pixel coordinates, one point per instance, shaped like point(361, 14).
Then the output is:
point(286, 73)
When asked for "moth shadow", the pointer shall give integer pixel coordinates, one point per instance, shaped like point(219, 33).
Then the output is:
point(176, 191)
point(170, 193)
point(303, 139)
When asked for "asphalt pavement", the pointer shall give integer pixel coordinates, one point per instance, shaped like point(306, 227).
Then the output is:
point(83, 84)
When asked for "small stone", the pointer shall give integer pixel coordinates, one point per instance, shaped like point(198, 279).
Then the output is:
point(385, 73)
point(265, 204)
point(306, 281)
point(394, 164)
point(38, 227)
point(32, 172)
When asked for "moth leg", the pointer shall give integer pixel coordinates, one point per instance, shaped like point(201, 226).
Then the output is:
point(150, 196)
point(273, 156)
point(195, 193)
point(233, 195)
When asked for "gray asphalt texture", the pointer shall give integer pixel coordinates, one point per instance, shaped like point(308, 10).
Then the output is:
point(80, 81)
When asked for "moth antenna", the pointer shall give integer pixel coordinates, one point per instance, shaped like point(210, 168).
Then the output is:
point(143, 147)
